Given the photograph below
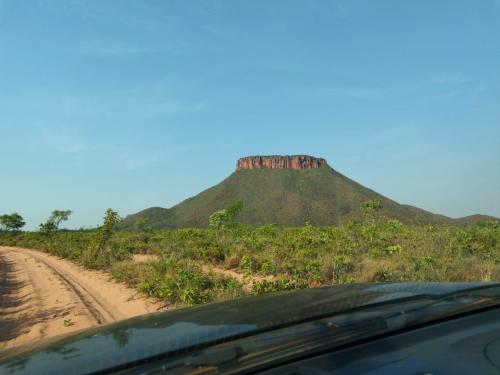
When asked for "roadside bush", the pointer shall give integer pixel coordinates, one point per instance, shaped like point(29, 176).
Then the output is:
point(265, 286)
point(232, 261)
point(336, 269)
point(98, 254)
point(387, 275)
point(127, 272)
point(182, 281)
point(393, 249)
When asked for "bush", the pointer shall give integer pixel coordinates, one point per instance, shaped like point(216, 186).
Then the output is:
point(181, 281)
point(98, 254)
point(127, 272)
point(387, 275)
point(336, 269)
point(265, 286)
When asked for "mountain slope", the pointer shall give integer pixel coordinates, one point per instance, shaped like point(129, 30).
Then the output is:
point(287, 197)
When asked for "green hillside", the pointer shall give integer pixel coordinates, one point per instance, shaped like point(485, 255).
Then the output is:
point(287, 197)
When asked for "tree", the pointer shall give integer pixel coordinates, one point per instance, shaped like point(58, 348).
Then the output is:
point(104, 233)
point(52, 223)
point(233, 210)
point(142, 225)
point(47, 227)
point(96, 256)
point(218, 219)
point(145, 231)
point(226, 217)
point(370, 208)
point(372, 205)
point(59, 215)
point(12, 222)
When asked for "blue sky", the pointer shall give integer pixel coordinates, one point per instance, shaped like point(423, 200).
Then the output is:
point(131, 104)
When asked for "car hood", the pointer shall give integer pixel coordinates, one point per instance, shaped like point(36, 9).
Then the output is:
point(187, 329)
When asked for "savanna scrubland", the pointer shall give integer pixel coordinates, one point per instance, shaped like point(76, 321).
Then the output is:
point(229, 260)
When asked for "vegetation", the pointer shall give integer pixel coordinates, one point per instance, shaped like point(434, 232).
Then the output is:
point(191, 266)
point(12, 222)
point(98, 254)
point(68, 322)
point(225, 218)
point(55, 219)
point(287, 197)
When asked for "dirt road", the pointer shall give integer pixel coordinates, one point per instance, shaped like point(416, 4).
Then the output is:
point(42, 296)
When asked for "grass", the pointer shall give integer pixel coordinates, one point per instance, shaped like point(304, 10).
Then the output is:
point(68, 322)
point(190, 263)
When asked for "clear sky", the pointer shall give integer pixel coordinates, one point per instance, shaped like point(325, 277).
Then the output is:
point(131, 104)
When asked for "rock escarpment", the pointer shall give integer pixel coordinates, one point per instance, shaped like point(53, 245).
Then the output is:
point(280, 162)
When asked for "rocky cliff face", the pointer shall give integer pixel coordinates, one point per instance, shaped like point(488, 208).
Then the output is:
point(280, 162)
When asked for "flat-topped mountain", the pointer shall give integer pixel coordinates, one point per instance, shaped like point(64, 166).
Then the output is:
point(280, 162)
point(286, 190)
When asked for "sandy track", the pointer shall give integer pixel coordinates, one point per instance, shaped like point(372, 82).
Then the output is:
point(43, 296)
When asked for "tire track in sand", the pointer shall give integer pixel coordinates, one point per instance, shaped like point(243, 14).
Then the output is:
point(94, 307)
point(42, 296)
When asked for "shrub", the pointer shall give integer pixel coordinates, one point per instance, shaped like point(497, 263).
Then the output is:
point(127, 272)
point(386, 275)
point(393, 249)
point(98, 255)
point(182, 281)
point(267, 268)
point(245, 263)
point(265, 286)
point(336, 268)
point(232, 262)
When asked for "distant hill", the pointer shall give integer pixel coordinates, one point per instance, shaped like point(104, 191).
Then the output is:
point(287, 190)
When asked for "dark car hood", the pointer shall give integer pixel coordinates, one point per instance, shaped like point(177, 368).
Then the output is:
point(179, 330)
